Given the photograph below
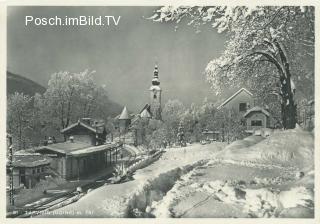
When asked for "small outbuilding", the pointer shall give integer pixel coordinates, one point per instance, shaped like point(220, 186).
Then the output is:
point(28, 169)
point(257, 118)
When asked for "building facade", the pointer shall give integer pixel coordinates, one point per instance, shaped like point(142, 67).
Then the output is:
point(257, 118)
point(239, 102)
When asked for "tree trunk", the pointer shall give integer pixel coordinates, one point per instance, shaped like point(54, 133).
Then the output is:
point(288, 107)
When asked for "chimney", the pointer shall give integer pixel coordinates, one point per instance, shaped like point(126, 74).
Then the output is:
point(86, 120)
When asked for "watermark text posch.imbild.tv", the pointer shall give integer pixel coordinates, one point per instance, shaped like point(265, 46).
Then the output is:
point(73, 21)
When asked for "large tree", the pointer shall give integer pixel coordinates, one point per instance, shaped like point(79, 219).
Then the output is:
point(268, 48)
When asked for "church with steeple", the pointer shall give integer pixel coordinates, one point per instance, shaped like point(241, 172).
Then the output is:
point(151, 110)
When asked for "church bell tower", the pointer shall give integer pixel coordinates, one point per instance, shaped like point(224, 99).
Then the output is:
point(155, 95)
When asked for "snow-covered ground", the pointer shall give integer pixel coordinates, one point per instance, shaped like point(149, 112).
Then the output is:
point(150, 183)
point(254, 177)
point(272, 178)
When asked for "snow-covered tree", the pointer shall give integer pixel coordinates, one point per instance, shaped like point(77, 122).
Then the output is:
point(19, 118)
point(269, 48)
point(171, 114)
point(69, 97)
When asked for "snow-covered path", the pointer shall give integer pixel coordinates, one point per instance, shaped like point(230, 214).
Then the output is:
point(117, 200)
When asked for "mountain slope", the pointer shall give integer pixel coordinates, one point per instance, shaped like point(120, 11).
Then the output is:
point(17, 83)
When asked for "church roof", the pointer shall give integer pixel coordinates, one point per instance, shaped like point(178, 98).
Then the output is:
point(145, 113)
point(124, 114)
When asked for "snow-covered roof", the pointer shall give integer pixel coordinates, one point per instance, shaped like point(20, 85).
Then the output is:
point(234, 95)
point(124, 114)
point(79, 123)
point(74, 148)
point(145, 113)
point(92, 149)
point(155, 88)
point(65, 147)
point(257, 109)
point(30, 160)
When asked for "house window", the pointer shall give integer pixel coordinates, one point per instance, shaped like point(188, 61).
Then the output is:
point(42, 169)
point(38, 170)
point(154, 96)
point(242, 107)
point(33, 171)
point(256, 123)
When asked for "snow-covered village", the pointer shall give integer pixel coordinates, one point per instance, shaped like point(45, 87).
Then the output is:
point(170, 112)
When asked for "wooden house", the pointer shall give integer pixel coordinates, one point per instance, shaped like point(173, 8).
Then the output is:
point(86, 130)
point(84, 152)
point(240, 102)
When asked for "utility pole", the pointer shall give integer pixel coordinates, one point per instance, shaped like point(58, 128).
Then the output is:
point(11, 170)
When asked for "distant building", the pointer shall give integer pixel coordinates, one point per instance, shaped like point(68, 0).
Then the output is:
point(257, 118)
point(84, 153)
point(240, 102)
point(209, 135)
point(28, 169)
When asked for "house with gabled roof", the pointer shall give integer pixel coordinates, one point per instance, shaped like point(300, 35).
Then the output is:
point(86, 130)
point(254, 117)
point(240, 101)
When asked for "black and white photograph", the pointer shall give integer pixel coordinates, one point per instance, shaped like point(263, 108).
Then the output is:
point(172, 111)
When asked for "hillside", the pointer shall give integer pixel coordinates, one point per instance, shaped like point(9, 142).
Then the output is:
point(17, 83)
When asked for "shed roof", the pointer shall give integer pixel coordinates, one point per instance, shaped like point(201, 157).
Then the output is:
point(234, 95)
point(257, 109)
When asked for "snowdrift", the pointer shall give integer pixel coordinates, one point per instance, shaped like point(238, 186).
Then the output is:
point(247, 142)
point(285, 148)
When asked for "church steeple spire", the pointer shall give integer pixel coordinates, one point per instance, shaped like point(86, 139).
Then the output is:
point(155, 80)
point(155, 95)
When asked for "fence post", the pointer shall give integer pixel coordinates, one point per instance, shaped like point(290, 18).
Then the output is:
point(11, 170)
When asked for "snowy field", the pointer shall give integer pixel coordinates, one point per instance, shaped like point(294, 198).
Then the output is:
point(273, 177)
point(150, 183)
point(254, 177)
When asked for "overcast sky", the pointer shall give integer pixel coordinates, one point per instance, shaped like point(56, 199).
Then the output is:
point(123, 56)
